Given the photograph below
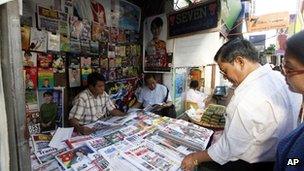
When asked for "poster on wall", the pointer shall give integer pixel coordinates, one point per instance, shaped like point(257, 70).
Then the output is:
point(122, 93)
point(180, 89)
point(155, 51)
point(51, 108)
point(99, 10)
point(129, 16)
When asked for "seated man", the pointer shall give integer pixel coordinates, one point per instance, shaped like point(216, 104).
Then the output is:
point(153, 93)
point(91, 105)
point(195, 96)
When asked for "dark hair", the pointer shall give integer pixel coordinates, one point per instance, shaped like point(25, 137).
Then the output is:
point(47, 93)
point(94, 77)
point(295, 45)
point(194, 84)
point(156, 22)
point(237, 47)
point(148, 76)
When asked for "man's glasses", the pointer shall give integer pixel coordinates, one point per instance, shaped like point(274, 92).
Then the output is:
point(287, 71)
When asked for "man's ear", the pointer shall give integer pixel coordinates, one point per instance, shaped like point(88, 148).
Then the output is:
point(240, 60)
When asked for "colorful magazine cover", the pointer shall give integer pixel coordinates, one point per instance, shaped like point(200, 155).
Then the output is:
point(111, 51)
point(58, 98)
point(65, 44)
point(104, 63)
point(94, 47)
point(45, 60)
point(59, 64)
point(30, 79)
point(118, 62)
point(38, 40)
point(96, 31)
point(64, 24)
point(86, 30)
point(122, 93)
point(51, 108)
point(53, 42)
point(84, 75)
point(60, 79)
point(31, 112)
point(80, 154)
point(45, 78)
point(96, 69)
point(85, 46)
point(85, 62)
point(48, 19)
point(76, 27)
point(33, 121)
point(74, 62)
point(29, 59)
point(74, 77)
point(31, 100)
point(75, 45)
point(41, 141)
point(25, 37)
point(95, 61)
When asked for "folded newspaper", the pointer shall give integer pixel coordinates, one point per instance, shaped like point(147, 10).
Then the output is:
point(197, 139)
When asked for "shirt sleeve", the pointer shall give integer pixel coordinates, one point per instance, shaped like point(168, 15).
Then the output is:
point(77, 110)
point(109, 104)
point(248, 125)
point(140, 96)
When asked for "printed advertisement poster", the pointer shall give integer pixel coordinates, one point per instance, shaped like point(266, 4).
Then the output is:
point(179, 89)
point(99, 10)
point(129, 16)
point(155, 51)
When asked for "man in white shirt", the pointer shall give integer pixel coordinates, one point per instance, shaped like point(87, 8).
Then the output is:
point(195, 96)
point(153, 93)
point(260, 113)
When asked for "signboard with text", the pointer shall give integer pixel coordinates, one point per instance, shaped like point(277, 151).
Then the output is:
point(200, 17)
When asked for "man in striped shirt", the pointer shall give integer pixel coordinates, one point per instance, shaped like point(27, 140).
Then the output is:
point(91, 105)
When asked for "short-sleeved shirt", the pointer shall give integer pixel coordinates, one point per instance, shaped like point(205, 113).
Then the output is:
point(156, 96)
point(87, 108)
point(196, 97)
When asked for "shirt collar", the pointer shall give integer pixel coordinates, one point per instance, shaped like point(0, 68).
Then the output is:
point(259, 72)
point(90, 94)
point(154, 89)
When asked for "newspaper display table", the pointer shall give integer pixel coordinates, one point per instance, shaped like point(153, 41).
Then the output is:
point(138, 141)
